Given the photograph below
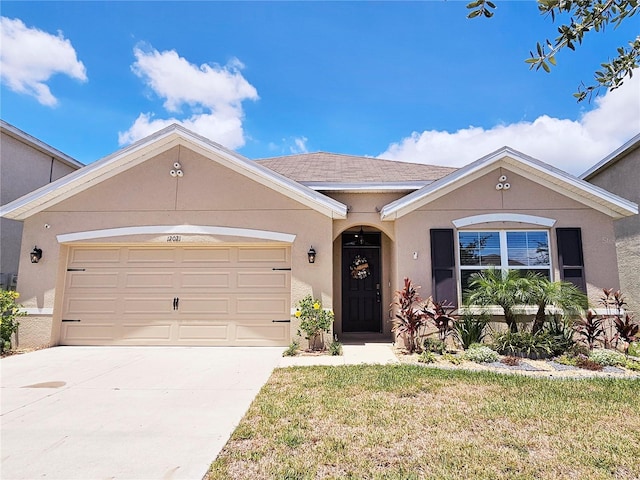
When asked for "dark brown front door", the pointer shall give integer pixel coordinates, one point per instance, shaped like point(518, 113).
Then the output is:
point(361, 295)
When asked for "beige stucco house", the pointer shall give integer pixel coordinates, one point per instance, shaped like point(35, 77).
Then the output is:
point(619, 172)
point(26, 163)
point(176, 240)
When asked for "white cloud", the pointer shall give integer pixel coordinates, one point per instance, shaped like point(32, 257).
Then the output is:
point(30, 57)
point(211, 96)
point(571, 145)
point(299, 145)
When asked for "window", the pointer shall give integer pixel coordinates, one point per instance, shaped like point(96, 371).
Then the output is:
point(527, 251)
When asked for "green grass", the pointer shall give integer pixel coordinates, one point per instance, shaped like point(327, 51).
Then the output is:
point(408, 422)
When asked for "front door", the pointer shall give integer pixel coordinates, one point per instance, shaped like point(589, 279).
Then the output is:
point(361, 295)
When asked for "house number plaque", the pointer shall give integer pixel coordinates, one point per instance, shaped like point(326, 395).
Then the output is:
point(174, 238)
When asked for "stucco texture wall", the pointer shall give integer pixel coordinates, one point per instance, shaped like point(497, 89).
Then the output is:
point(622, 178)
point(524, 197)
point(208, 195)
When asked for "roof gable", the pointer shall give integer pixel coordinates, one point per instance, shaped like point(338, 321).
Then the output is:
point(149, 147)
point(537, 171)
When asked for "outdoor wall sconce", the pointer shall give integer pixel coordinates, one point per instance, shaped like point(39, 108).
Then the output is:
point(35, 255)
point(311, 254)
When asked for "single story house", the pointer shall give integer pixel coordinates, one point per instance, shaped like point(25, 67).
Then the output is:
point(619, 172)
point(26, 163)
point(175, 240)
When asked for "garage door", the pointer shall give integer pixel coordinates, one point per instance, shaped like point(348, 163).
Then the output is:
point(132, 295)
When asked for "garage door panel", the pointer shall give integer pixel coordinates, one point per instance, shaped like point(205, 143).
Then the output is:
point(250, 279)
point(147, 305)
point(153, 279)
point(262, 305)
point(151, 255)
point(94, 256)
point(82, 333)
point(262, 255)
point(205, 305)
point(228, 295)
point(92, 279)
point(206, 255)
point(146, 332)
point(256, 333)
point(91, 305)
point(205, 280)
point(204, 332)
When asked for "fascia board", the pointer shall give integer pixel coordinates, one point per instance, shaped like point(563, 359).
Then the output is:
point(140, 151)
point(574, 188)
point(612, 158)
point(39, 145)
point(545, 175)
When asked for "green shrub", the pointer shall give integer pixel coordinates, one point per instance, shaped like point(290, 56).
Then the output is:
point(335, 348)
point(525, 344)
point(607, 358)
point(9, 312)
point(633, 365)
point(434, 345)
point(292, 350)
point(634, 349)
point(469, 328)
point(427, 357)
point(481, 354)
point(562, 333)
point(449, 357)
point(567, 360)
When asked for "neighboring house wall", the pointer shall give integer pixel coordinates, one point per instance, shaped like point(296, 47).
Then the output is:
point(25, 165)
point(622, 177)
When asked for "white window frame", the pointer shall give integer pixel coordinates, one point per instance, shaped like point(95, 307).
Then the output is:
point(504, 254)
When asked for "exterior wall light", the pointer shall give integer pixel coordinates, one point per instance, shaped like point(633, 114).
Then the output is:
point(35, 255)
point(311, 254)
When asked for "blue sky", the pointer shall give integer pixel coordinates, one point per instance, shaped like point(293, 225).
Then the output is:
point(412, 81)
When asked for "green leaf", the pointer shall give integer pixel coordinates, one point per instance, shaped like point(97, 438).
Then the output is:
point(552, 60)
point(474, 14)
point(545, 67)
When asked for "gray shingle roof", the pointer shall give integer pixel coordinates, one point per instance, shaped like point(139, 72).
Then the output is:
point(338, 168)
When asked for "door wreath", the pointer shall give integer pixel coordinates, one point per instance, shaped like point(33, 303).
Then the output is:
point(360, 268)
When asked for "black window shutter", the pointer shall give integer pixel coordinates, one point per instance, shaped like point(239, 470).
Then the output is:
point(443, 265)
point(570, 259)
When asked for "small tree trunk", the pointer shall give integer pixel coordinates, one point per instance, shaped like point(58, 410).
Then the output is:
point(538, 323)
point(511, 320)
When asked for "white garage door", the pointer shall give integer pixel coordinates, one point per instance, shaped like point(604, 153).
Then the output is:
point(135, 295)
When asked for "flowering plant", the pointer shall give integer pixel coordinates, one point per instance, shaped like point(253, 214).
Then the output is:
point(9, 312)
point(314, 321)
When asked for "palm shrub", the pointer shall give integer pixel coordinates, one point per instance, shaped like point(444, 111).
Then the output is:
point(469, 328)
point(562, 332)
point(561, 295)
point(507, 289)
point(409, 319)
point(314, 321)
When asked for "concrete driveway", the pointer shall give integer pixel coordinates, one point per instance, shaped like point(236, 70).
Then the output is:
point(124, 412)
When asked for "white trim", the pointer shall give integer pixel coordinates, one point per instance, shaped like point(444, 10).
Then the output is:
point(504, 217)
point(535, 170)
point(159, 142)
point(176, 230)
point(612, 158)
point(34, 311)
point(367, 187)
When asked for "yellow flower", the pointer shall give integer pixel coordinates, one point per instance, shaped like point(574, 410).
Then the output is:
point(298, 313)
point(316, 306)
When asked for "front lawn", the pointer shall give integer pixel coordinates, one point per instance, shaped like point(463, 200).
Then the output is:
point(409, 422)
